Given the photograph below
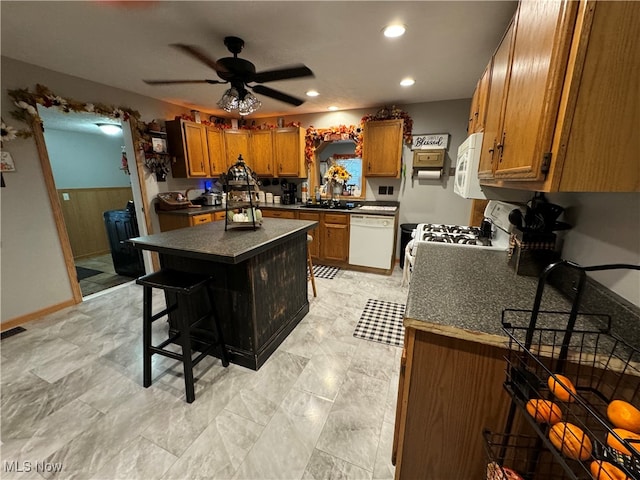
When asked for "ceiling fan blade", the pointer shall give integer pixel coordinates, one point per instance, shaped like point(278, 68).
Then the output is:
point(283, 97)
point(294, 71)
point(169, 82)
point(198, 54)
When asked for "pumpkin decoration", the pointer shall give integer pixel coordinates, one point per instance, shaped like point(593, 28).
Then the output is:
point(571, 441)
point(562, 388)
point(544, 411)
point(613, 442)
point(606, 471)
point(624, 415)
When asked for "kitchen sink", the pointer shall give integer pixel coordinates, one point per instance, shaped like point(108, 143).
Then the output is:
point(329, 206)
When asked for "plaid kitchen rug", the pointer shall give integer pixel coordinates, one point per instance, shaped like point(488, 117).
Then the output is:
point(324, 271)
point(381, 322)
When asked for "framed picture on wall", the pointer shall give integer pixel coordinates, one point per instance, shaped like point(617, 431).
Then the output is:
point(430, 141)
point(159, 145)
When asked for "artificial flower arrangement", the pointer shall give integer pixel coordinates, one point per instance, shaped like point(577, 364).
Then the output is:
point(337, 173)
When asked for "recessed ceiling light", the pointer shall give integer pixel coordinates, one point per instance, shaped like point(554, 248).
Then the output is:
point(312, 93)
point(394, 30)
point(407, 82)
point(332, 108)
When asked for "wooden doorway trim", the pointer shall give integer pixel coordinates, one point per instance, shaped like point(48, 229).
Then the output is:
point(56, 208)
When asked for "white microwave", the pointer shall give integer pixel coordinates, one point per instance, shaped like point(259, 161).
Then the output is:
point(466, 182)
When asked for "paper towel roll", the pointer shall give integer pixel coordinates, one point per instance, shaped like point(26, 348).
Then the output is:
point(429, 174)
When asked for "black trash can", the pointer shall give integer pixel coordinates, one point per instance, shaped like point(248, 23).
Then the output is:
point(406, 229)
point(122, 225)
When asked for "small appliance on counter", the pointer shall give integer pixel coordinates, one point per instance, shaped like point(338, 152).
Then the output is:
point(211, 198)
point(288, 192)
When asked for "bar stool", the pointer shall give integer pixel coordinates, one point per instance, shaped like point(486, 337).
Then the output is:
point(310, 265)
point(183, 285)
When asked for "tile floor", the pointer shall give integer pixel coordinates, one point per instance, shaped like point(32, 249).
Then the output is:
point(97, 283)
point(322, 406)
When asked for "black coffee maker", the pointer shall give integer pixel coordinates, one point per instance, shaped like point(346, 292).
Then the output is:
point(289, 193)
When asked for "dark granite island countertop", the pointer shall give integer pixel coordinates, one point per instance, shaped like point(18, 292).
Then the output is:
point(259, 279)
point(211, 242)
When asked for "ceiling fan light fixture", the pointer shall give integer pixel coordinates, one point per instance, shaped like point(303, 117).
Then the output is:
point(407, 82)
point(109, 128)
point(248, 104)
point(230, 100)
point(394, 30)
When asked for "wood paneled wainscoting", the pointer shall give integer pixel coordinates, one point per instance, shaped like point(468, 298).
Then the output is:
point(83, 216)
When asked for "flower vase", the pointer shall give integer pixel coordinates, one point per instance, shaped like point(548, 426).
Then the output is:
point(336, 191)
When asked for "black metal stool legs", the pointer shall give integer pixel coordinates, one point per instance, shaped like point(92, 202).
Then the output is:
point(185, 343)
point(146, 336)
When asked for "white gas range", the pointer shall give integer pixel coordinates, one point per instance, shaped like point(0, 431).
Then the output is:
point(496, 214)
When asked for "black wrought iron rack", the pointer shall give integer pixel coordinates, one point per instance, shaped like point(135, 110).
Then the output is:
point(241, 180)
point(581, 346)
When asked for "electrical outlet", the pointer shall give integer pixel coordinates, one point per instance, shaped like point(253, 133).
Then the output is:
point(390, 190)
point(65, 196)
point(382, 190)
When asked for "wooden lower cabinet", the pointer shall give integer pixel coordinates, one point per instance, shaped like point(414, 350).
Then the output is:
point(173, 222)
point(278, 214)
point(314, 246)
point(449, 391)
point(334, 234)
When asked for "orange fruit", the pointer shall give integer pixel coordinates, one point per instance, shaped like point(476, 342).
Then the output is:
point(544, 411)
point(606, 471)
point(624, 415)
point(571, 441)
point(625, 435)
point(560, 386)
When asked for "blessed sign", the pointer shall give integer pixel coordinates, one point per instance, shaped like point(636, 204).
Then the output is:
point(428, 141)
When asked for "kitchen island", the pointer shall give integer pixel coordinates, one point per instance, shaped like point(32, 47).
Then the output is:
point(259, 279)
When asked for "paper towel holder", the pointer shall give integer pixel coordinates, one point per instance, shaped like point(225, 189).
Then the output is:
point(428, 160)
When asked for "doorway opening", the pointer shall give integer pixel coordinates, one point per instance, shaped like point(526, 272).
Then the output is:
point(94, 189)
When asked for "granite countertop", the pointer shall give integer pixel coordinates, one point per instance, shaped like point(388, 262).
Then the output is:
point(211, 242)
point(199, 210)
point(461, 291)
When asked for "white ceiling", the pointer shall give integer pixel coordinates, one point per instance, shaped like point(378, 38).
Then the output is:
point(446, 47)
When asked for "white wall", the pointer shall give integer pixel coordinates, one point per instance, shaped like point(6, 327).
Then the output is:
point(85, 160)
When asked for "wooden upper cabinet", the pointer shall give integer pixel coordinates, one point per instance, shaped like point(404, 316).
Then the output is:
point(382, 148)
point(236, 143)
point(288, 147)
point(479, 103)
point(187, 143)
point(261, 145)
point(493, 118)
point(539, 61)
point(216, 150)
point(569, 114)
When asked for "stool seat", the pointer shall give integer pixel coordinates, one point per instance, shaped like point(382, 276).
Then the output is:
point(174, 281)
point(181, 285)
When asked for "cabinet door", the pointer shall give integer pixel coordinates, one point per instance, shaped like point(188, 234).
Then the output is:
point(314, 246)
point(382, 148)
point(236, 143)
point(479, 103)
point(215, 147)
point(195, 143)
point(493, 118)
point(262, 152)
point(289, 152)
point(335, 237)
point(539, 61)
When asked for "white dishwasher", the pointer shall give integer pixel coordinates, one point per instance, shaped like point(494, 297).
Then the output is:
point(371, 241)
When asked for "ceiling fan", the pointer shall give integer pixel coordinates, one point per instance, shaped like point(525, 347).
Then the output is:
point(240, 73)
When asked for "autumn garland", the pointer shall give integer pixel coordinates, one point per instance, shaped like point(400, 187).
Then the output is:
point(315, 136)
